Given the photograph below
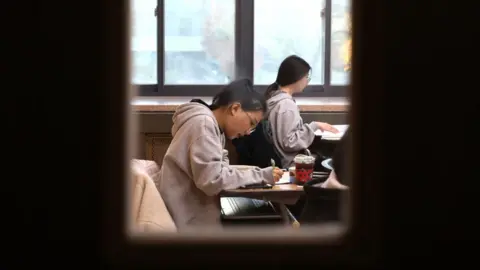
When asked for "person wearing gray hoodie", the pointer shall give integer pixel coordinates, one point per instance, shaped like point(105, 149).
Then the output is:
point(290, 135)
point(195, 169)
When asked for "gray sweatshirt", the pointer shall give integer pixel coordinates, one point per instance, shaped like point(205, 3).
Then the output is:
point(195, 169)
point(290, 134)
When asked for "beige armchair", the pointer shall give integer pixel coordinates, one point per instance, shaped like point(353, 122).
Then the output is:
point(148, 212)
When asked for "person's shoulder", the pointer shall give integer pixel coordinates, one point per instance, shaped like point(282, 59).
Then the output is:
point(288, 101)
point(205, 125)
point(286, 105)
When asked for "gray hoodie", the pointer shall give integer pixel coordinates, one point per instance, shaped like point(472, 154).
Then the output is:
point(290, 134)
point(195, 170)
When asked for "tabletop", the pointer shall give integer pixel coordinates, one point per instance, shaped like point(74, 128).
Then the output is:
point(284, 193)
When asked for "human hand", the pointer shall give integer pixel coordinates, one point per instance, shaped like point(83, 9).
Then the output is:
point(277, 174)
point(327, 127)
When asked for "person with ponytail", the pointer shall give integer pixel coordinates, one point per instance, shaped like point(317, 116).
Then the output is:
point(194, 169)
point(290, 135)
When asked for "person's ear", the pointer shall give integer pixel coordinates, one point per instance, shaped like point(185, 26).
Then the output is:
point(235, 108)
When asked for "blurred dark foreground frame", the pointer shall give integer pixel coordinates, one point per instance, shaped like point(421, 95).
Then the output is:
point(67, 125)
point(360, 243)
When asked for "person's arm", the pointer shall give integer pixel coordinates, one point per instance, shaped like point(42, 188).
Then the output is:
point(212, 175)
point(292, 134)
point(225, 158)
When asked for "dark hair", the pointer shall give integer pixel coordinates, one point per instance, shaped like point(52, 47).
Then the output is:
point(240, 91)
point(291, 70)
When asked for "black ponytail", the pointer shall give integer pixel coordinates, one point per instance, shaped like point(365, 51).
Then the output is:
point(201, 102)
point(291, 70)
point(240, 91)
point(270, 89)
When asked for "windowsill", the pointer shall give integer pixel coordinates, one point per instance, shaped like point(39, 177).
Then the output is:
point(169, 104)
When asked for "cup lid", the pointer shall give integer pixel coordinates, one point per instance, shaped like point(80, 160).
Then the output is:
point(304, 159)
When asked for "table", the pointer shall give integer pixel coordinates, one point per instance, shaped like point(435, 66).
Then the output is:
point(278, 195)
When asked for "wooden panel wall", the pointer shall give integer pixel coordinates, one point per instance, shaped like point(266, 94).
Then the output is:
point(156, 145)
point(155, 136)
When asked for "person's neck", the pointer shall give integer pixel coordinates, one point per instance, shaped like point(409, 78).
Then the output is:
point(219, 116)
point(287, 89)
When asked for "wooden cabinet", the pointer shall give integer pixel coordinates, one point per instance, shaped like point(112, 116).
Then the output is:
point(156, 145)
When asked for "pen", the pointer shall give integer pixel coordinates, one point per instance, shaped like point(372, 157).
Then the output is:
point(273, 165)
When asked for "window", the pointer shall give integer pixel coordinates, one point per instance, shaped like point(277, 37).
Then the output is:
point(144, 42)
point(340, 42)
point(192, 47)
point(279, 34)
point(199, 42)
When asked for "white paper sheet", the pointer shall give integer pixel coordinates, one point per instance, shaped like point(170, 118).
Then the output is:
point(331, 136)
point(285, 178)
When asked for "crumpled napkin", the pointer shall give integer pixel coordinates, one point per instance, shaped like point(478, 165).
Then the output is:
point(225, 156)
point(332, 182)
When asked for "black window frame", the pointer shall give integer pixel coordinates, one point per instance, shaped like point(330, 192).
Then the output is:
point(244, 54)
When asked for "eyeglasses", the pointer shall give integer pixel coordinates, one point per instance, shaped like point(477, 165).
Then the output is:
point(253, 123)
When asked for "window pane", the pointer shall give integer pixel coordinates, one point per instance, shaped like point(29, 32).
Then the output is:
point(283, 28)
point(144, 42)
point(199, 41)
point(340, 43)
